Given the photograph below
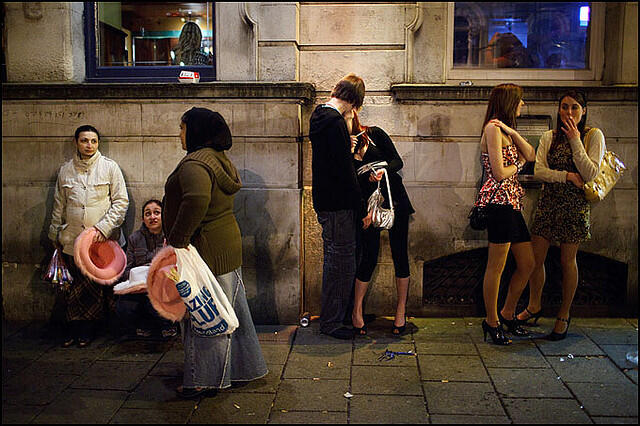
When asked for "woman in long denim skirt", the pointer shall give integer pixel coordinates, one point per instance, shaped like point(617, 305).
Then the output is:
point(198, 210)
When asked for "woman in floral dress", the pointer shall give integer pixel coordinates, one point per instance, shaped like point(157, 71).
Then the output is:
point(567, 157)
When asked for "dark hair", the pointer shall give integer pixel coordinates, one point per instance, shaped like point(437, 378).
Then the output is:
point(206, 129)
point(151, 201)
point(350, 89)
point(86, 128)
point(558, 134)
point(503, 104)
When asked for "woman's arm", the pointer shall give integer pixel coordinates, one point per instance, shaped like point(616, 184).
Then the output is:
point(541, 171)
point(195, 186)
point(525, 148)
point(494, 149)
point(59, 210)
point(114, 217)
point(588, 163)
point(391, 156)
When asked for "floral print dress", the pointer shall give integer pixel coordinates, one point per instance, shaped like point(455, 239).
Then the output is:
point(506, 192)
point(563, 213)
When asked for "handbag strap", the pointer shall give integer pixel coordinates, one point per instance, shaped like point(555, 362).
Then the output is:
point(388, 187)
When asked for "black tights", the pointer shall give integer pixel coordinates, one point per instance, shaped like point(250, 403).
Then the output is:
point(370, 246)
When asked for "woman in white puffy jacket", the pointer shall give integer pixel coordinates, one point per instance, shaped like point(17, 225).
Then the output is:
point(90, 192)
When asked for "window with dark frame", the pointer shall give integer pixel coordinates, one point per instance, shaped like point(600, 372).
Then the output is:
point(543, 35)
point(149, 41)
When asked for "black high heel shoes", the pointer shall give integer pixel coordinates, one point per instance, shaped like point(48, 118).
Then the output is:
point(513, 326)
point(559, 336)
point(532, 317)
point(496, 333)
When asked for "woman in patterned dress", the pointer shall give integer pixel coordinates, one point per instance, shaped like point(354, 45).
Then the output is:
point(567, 157)
point(503, 154)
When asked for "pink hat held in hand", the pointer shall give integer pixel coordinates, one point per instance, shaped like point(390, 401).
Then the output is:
point(161, 289)
point(101, 262)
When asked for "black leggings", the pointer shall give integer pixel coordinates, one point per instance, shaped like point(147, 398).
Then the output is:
point(370, 246)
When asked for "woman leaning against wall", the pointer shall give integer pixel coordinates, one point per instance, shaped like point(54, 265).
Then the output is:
point(90, 192)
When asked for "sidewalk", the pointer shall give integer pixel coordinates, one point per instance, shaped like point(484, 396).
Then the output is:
point(454, 378)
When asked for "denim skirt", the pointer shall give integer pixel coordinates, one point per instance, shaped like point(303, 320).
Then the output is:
point(215, 362)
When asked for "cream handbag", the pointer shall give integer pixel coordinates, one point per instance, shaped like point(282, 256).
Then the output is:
point(609, 173)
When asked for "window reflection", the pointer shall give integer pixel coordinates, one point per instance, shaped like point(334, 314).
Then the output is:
point(155, 33)
point(521, 35)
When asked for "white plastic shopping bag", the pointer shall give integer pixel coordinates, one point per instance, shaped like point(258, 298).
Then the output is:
point(209, 308)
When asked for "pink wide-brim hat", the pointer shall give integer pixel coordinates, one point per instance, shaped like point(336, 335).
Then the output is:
point(101, 262)
point(161, 289)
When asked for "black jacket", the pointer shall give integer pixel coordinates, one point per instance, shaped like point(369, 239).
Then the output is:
point(334, 182)
point(384, 150)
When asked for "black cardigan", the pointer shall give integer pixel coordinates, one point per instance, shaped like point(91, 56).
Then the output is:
point(384, 150)
point(334, 180)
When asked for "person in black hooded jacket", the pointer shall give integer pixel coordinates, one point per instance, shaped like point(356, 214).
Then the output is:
point(337, 200)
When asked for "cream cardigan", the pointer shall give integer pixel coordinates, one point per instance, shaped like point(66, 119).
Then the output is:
point(88, 193)
point(587, 160)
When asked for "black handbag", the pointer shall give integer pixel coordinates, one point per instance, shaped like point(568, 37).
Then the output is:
point(478, 216)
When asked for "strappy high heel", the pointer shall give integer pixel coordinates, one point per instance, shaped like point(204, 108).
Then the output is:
point(535, 317)
point(553, 336)
point(496, 333)
point(398, 330)
point(513, 326)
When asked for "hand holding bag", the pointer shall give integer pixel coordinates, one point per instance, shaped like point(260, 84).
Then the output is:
point(210, 311)
point(609, 173)
point(380, 217)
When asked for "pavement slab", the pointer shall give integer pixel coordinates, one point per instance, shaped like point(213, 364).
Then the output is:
point(314, 395)
point(275, 353)
point(545, 411)
point(618, 354)
point(444, 348)
point(455, 377)
point(388, 409)
point(369, 354)
point(134, 416)
point(615, 420)
point(386, 380)
point(155, 392)
point(113, 375)
point(607, 399)
point(137, 350)
point(20, 414)
point(82, 406)
point(587, 369)
point(462, 398)
point(456, 419)
point(522, 354)
point(307, 365)
point(528, 383)
point(33, 387)
point(266, 384)
point(600, 336)
point(575, 344)
point(239, 408)
point(454, 368)
point(308, 417)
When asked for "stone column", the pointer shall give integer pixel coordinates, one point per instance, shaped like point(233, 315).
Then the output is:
point(45, 41)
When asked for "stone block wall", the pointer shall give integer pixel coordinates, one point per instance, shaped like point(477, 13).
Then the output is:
point(141, 135)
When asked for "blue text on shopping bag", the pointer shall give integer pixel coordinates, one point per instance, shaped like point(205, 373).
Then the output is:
point(203, 310)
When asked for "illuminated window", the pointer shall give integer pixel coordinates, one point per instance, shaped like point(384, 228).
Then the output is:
point(542, 36)
point(149, 41)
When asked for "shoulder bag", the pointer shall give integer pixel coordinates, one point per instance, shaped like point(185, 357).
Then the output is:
point(609, 173)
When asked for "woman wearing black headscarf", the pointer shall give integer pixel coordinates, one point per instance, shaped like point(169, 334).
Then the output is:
point(198, 210)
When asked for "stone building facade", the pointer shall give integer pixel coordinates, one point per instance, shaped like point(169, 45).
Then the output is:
point(275, 62)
